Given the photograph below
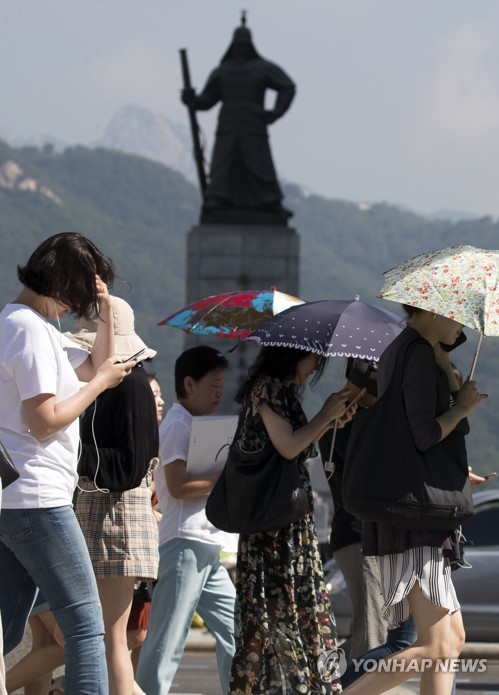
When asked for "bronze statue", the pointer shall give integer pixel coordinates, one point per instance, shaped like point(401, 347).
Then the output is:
point(242, 175)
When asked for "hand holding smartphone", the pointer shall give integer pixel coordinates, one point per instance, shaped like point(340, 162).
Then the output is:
point(357, 397)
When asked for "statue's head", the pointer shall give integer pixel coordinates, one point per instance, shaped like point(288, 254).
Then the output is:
point(242, 35)
point(241, 48)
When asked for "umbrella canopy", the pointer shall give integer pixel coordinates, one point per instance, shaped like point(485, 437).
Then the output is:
point(231, 315)
point(332, 328)
point(460, 282)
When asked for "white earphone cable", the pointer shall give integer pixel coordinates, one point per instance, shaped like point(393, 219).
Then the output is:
point(97, 488)
point(80, 446)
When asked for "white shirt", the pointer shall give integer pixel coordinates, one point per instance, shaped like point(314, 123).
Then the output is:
point(183, 518)
point(36, 358)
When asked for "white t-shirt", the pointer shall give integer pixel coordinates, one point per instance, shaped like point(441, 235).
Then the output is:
point(183, 518)
point(36, 358)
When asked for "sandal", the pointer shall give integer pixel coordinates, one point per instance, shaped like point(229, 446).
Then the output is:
point(57, 686)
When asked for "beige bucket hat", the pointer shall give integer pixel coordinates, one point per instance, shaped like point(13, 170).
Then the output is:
point(126, 341)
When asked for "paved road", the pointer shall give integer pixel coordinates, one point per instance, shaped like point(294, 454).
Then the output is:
point(198, 675)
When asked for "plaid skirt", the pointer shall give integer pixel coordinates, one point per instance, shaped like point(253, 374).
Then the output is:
point(427, 566)
point(120, 531)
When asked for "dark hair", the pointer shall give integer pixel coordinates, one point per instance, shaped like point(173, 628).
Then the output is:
point(277, 362)
point(363, 374)
point(196, 362)
point(410, 310)
point(64, 267)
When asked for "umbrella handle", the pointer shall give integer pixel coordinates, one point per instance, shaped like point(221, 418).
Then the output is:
point(330, 462)
point(473, 364)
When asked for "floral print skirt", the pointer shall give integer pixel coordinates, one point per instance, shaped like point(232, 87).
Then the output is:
point(285, 628)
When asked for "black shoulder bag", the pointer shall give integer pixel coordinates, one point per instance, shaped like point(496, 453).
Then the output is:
point(399, 485)
point(256, 491)
point(8, 471)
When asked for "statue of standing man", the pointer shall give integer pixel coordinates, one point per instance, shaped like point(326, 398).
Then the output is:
point(242, 174)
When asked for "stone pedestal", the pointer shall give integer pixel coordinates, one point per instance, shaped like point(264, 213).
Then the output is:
point(228, 258)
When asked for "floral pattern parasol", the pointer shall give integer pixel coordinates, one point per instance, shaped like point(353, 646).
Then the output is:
point(459, 282)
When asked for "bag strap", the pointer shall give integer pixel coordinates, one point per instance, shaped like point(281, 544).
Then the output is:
point(239, 428)
point(396, 379)
point(236, 446)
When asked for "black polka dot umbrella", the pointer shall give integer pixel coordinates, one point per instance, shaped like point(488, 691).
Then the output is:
point(332, 328)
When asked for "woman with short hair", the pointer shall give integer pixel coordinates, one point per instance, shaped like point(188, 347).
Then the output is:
point(41, 543)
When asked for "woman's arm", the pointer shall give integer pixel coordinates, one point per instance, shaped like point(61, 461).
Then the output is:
point(467, 399)
point(103, 346)
point(420, 398)
point(339, 423)
point(44, 416)
point(290, 443)
point(182, 485)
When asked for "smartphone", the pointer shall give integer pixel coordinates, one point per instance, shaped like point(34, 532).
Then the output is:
point(134, 357)
point(357, 397)
point(459, 341)
point(490, 475)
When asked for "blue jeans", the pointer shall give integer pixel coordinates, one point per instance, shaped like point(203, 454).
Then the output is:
point(190, 578)
point(46, 548)
point(396, 639)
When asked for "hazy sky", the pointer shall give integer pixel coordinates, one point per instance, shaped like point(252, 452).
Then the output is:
point(397, 100)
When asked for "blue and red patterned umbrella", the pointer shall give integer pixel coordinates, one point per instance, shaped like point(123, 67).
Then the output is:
point(231, 315)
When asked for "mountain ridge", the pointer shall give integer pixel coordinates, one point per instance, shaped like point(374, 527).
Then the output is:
point(134, 129)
